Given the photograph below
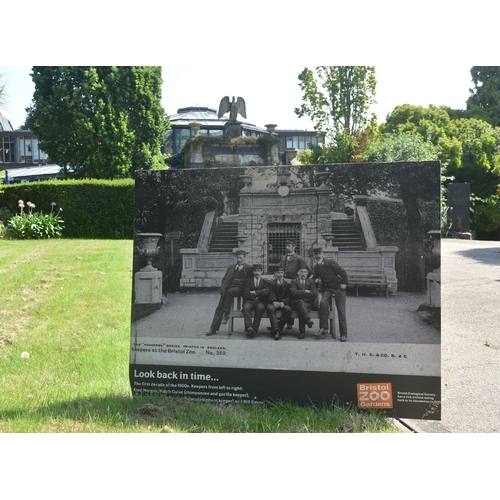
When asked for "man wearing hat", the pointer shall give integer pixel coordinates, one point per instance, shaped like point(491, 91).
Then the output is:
point(255, 295)
point(279, 300)
point(231, 287)
point(290, 262)
point(334, 282)
point(304, 298)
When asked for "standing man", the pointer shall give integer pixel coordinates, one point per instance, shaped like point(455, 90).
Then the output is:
point(279, 300)
point(304, 299)
point(334, 282)
point(290, 262)
point(231, 287)
point(255, 295)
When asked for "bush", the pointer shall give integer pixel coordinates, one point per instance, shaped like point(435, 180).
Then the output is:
point(97, 209)
point(34, 225)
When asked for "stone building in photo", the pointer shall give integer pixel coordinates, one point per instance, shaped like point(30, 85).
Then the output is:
point(268, 217)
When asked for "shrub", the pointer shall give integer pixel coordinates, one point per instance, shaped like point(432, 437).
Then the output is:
point(92, 208)
point(35, 225)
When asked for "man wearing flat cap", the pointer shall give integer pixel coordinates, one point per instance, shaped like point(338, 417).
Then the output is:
point(231, 287)
point(255, 294)
point(334, 281)
point(279, 300)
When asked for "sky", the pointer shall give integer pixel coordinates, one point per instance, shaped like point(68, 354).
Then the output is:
point(272, 93)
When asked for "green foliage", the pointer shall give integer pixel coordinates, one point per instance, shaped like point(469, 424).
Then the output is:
point(486, 93)
point(35, 225)
point(92, 208)
point(400, 146)
point(101, 122)
point(468, 148)
point(337, 98)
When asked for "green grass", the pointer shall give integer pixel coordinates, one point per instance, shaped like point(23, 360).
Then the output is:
point(65, 304)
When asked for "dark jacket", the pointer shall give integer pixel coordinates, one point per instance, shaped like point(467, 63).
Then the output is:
point(299, 293)
point(262, 290)
point(279, 293)
point(228, 277)
point(330, 274)
point(291, 266)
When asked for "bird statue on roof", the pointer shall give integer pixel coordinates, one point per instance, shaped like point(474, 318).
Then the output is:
point(234, 107)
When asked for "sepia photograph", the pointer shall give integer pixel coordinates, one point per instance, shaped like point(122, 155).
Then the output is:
point(318, 268)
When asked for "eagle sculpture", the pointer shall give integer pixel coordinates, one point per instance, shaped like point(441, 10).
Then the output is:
point(234, 107)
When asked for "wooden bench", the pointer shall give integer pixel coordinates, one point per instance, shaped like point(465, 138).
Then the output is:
point(369, 279)
point(237, 312)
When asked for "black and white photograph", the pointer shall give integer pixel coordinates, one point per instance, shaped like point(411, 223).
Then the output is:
point(305, 283)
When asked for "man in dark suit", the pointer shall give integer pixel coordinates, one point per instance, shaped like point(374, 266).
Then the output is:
point(304, 299)
point(290, 262)
point(333, 279)
point(279, 300)
point(231, 286)
point(255, 294)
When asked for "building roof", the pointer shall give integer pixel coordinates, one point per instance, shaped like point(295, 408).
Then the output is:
point(32, 173)
point(208, 117)
point(5, 125)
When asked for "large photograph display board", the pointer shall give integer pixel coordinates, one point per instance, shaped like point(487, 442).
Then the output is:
point(364, 329)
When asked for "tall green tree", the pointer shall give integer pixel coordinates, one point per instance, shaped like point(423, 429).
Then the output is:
point(338, 98)
point(486, 92)
point(99, 121)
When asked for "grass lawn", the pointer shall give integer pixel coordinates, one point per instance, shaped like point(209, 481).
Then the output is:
point(64, 354)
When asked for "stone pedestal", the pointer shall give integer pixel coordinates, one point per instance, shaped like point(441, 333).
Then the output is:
point(434, 289)
point(147, 287)
point(233, 129)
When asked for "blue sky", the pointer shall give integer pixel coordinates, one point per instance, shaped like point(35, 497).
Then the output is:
point(272, 92)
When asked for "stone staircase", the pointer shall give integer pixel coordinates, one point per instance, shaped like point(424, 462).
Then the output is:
point(347, 236)
point(224, 237)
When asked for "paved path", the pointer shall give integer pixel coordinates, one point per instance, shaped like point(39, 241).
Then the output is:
point(470, 338)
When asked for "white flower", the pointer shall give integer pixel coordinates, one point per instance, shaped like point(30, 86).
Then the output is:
point(25, 354)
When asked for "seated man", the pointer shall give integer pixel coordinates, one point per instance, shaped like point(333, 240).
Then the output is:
point(304, 299)
point(255, 294)
point(334, 281)
point(279, 300)
point(231, 287)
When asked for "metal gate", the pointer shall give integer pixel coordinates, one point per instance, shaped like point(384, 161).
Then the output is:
point(277, 235)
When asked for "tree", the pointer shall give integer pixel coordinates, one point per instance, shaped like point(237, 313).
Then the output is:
point(101, 122)
point(486, 93)
point(469, 151)
point(400, 146)
point(3, 95)
point(337, 98)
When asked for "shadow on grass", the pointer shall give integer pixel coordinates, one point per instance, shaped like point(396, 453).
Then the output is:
point(163, 414)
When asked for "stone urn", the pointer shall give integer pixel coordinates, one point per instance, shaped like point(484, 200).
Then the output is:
point(247, 180)
point(271, 127)
point(195, 127)
point(322, 177)
point(148, 248)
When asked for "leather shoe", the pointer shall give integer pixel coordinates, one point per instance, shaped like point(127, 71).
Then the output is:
point(225, 318)
point(251, 333)
point(343, 338)
point(302, 335)
point(277, 335)
point(210, 332)
point(321, 333)
point(310, 322)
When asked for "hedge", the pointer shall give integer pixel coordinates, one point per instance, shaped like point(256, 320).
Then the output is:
point(97, 209)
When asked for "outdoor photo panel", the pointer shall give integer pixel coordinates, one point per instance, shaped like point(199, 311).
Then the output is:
point(219, 312)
